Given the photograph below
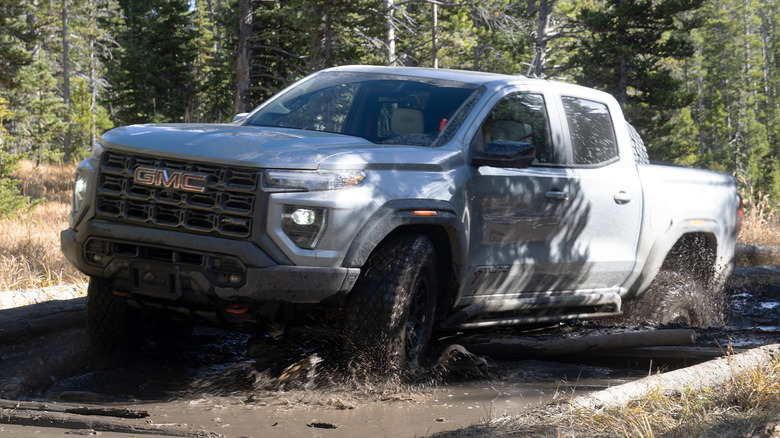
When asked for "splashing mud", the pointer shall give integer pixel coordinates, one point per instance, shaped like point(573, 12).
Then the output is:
point(678, 298)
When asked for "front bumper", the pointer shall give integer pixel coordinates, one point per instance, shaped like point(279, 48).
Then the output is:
point(198, 269)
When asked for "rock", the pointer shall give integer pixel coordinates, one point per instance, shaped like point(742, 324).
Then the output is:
point(457, 363)
point(305, 370)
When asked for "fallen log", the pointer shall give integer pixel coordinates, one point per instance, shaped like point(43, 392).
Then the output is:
point(706, 375)
point(755, 279)
point(545, 347)
point(26, 322)
point(119, 412)
point(668, 353)
point(757, 255)
point(63, 420)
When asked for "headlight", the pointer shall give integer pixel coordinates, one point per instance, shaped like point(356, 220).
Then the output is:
point(304, 225)
point(295, 180)
point(79, 191)
point(83, 175)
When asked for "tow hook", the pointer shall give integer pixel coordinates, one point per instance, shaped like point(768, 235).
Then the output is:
point(237, 308)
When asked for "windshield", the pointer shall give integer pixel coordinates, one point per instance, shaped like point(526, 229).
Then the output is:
point(382, 108)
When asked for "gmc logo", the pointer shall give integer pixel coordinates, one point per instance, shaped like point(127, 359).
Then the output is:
point(167, 179)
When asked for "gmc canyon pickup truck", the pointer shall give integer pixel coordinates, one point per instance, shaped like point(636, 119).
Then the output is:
point(393, 202)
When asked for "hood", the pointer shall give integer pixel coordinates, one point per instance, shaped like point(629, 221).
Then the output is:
point(235, 145)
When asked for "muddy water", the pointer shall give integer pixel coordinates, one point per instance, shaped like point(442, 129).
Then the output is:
point(207, 381)
point(214, 380)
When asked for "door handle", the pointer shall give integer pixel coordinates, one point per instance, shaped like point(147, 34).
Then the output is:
point(556, 195)
point(622, 197)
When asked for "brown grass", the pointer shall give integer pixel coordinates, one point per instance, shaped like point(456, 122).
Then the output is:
point(761, 224)
point(49, 182)
point(30, 256)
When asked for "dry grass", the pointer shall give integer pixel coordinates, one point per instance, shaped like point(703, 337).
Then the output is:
point(49, 182)
point(30, 256)
point(761, 224)
point(748, 405)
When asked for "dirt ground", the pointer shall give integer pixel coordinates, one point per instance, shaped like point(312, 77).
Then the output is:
point(220, 383)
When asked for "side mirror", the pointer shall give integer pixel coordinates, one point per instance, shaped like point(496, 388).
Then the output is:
point(505, 153)
point(239, 117)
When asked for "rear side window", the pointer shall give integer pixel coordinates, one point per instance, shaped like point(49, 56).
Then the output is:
point(592, 135)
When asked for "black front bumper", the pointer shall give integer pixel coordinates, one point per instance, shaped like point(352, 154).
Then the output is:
point(179, 267)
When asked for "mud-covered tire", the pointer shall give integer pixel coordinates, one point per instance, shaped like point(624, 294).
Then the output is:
point(391, 309)
point(109, 320)
point(686, 291)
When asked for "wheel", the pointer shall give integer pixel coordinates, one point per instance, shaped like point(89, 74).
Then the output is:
point(686, 291)
point(109, 320)
point(390, 311)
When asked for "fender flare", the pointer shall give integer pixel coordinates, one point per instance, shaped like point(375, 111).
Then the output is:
point(658, 253)
point(393, 215)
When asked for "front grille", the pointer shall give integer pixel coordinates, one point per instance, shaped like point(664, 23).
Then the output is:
point(224, 207)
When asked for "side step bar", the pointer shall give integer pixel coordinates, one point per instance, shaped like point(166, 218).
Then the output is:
point(580, 306)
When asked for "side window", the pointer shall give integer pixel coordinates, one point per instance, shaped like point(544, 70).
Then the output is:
point(592, 134)
point(519, 117)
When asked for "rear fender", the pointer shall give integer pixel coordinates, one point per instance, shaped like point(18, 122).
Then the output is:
point(687, 250)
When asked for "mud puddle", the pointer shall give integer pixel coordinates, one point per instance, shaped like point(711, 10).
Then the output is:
point(209, 382)
point(229, 384)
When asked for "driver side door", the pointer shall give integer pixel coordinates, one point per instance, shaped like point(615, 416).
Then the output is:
point(521, 223)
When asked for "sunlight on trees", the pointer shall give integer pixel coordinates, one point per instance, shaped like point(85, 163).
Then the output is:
point(698, 79)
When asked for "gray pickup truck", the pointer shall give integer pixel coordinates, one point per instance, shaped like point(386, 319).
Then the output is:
point(391, 202)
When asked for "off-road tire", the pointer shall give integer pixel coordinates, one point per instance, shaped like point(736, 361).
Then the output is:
point(685, 291)
point(109, 320)
point(391, 309)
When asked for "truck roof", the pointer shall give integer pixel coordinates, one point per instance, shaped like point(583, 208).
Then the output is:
point(473, 77)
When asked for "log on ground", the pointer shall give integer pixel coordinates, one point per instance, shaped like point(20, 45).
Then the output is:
point(546, 347)
point(706, 375)
point(37, 319)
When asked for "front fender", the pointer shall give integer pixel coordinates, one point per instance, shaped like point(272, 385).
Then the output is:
point(394, 215)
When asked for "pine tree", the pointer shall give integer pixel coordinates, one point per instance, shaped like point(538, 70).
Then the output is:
point(91, 26)
point(625, 51)
point(730, 80)
point(14, 37)
point(34, 96)
point(11, 199)
point(151, 74)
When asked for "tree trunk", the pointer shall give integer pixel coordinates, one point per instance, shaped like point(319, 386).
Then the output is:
point(93, 87)
point(545, 10)
point(66, 78)
point(244, 61)
point(434, 35)
point(328, 36)
point(390, 32)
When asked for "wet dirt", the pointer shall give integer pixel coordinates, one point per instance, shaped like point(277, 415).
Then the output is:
point(208, 382)
point(234, 385)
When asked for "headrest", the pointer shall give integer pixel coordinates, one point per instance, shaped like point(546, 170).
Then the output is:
point(407, 121)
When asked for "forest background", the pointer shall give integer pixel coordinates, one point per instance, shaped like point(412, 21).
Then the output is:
point(700, 79)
